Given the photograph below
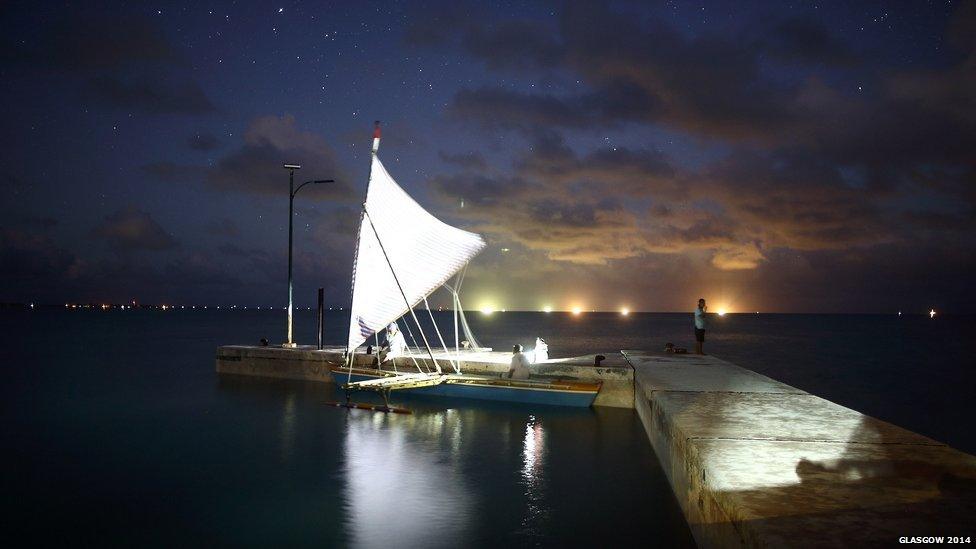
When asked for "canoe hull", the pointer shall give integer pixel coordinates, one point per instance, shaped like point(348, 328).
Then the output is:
point(558, 393)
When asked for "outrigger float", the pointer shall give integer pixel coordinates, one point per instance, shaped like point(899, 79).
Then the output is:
point(403, 254)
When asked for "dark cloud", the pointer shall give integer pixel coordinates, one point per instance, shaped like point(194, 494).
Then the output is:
point(26, 258)
point(224, 227)
point(37, 268)
point(804, 39)
point(715, 86)
point(467, 161)
point(128, 63)
point(805, 165)
point(734, 209)
point(42, 223)
point(615, 170)
point(271, 141)
point(132, 229)
point(170, 171)
point(92, 44)
point(506, 109)
point(518, 44)
point(151, 94)
point(202, 141)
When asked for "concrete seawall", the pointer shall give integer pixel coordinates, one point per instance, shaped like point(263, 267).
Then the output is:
point(309, 364)
point(755, 462)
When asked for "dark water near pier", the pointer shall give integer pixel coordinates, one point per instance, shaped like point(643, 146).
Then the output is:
point(117, 430)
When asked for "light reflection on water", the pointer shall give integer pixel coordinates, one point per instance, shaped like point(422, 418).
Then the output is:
point(288, 428)
point(402, 489)
point(533, 475)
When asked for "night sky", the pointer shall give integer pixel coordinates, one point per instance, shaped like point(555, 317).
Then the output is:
point(784, 157)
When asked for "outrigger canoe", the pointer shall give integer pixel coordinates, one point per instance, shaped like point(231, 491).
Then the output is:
point(554, 392)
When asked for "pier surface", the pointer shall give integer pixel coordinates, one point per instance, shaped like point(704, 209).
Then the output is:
point(755, 462)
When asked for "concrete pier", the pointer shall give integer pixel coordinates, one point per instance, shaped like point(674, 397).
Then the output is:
point(758, 463)
point(309, 364)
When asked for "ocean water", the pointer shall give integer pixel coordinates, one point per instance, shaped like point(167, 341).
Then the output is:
point(118, 431)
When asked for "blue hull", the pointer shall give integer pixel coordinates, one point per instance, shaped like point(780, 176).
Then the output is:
point(527, 395)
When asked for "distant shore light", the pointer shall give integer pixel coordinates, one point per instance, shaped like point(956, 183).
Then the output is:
point(932, 313)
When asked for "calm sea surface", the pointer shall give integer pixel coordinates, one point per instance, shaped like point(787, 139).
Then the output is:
point(117, 430)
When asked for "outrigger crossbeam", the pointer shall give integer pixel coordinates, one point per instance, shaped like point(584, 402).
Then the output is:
point(384, 386)
point(402, 381)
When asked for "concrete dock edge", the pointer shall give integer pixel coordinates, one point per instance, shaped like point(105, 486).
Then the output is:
point(757, 463)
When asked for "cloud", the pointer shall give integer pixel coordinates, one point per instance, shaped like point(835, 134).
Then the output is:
point(38, 268)
point(515, 43)
point(467, 161)
point(224, 227)
point(608, 205)
point(794, 163)
point(151, 94)
point(500, 108)
point(128, 63)
point(132, 229)
point(269, 142)
point(171, 171)
point(26, 257)
point(202, 141)
point(804, 39)
point(634, 70)
point(737, 258)
point(618, 170)
point(92, 44)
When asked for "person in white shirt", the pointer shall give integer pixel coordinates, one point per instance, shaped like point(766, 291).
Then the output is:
point(700, 326)
point(541, 350)
point(519, 368)
point(395, 343)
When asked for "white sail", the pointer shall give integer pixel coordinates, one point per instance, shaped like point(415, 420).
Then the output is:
point(423, 251)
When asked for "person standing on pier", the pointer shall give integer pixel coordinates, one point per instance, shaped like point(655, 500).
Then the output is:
point(700, 326)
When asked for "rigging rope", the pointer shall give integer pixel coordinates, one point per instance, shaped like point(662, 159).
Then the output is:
point(410, 333)
point(438, 330)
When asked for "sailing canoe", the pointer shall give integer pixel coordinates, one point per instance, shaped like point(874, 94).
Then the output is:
point(532, 391)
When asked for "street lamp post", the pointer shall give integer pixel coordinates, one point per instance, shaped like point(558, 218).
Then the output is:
point(292, 191)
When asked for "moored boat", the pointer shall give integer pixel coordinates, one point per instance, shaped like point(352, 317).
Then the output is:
point(403, 254)
point(555, 392)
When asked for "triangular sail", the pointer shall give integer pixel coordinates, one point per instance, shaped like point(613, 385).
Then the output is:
point(423, 251)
